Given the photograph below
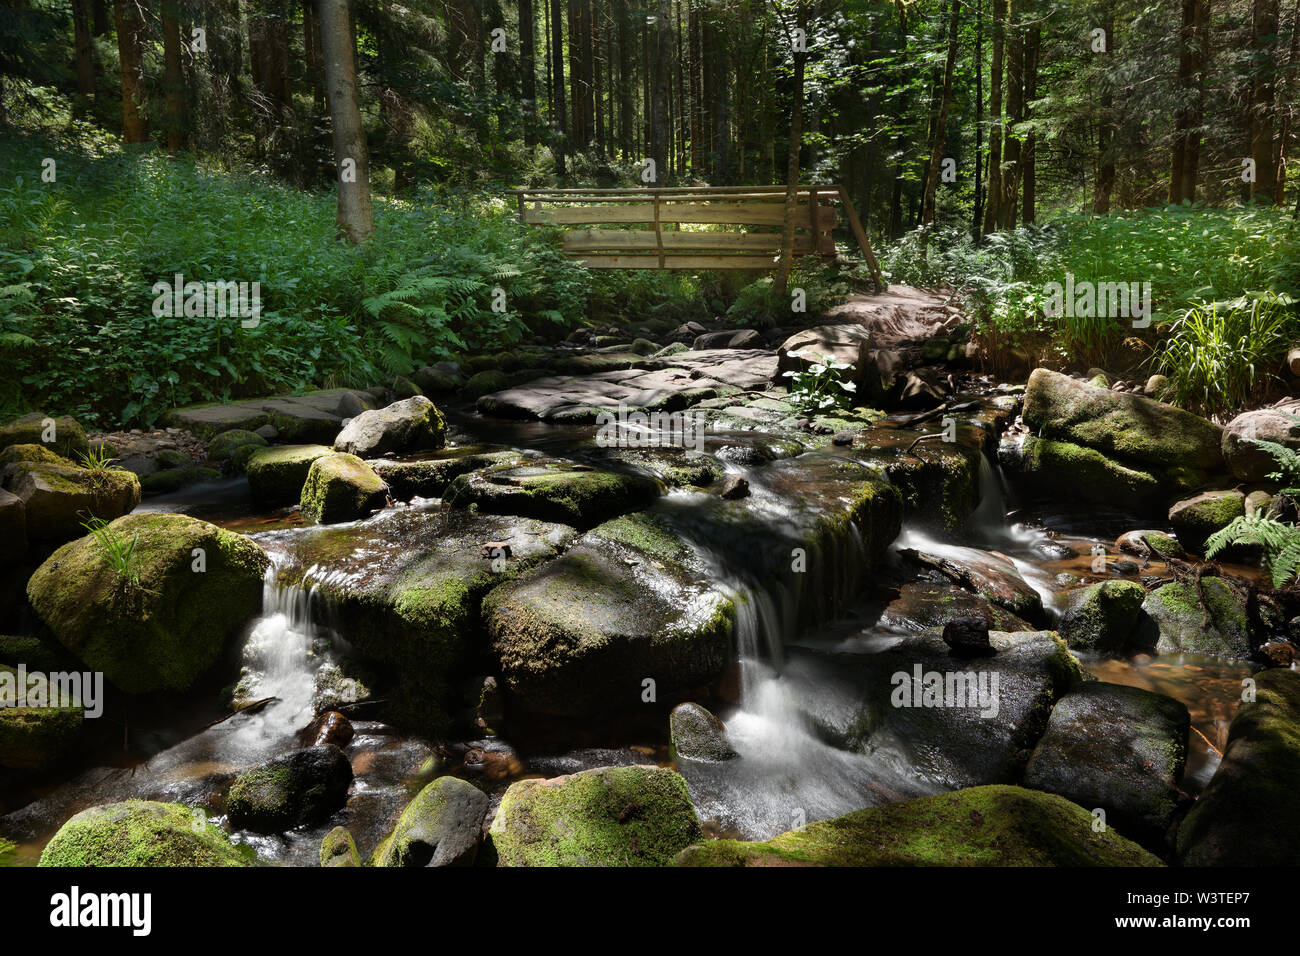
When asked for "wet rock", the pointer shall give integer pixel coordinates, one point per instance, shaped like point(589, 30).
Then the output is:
point(67, 439)
point(733, 487)
point(968, 637)
point(1120, 749)
point(439, 379)
point(164, 632)
point(610, 816)
point(1213, 621)
point(486, 382)
point(442, 826)
point(675, 467)
point(981, 826)
point(991, 576)
point(559, 491)
point(13, 527)
point(1278, 653)
point(1195, 519)
point(222, 445)
point(34, 734)
point(1246, 460)
point(142, 833)
point(627, 602)
point(57, 498)
point(727, 339)
point(405, 388)
point(1062, 467)
point(162, 482)
point(267, 431)
point(1150, 544)
point(410, 425)
point(1101, 617)
point(294, 789)
point(910, 703)
point(696, 734)
point(339, 849)
point(276, 475)
point(925, 604)
point(1245, 815)
point(429, 474)
point(329, 728)
point(1119, 424)
point(849, 344)
point(341, 487)
point(842, 438)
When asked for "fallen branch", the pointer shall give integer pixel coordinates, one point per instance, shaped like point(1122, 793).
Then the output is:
point(252, 708)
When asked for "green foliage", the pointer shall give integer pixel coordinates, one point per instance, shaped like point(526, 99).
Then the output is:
point(821, 386)
point(1219, 356)
point(116, 550)
point(1278, 540)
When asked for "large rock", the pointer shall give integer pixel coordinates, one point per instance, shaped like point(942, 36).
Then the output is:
point(338, 849)
point(1101, 617)
point(276, 475)
point(696, 734)
point(556, 492)
point(224, 445)
point(1064, 468)
point(34, 735)
point(847, 343)
point(58, 497)
point(413, 424)
point(341, 487)
point(992, 576)
point(294, 789)
point(1246, 815)
point(628, 602)
point(1195, 519)
point(912, 703)
point(65, 437)
point(311, 417)
point(1176, 617)
point(143, 833)
point(1120, 749)
point(164, 632)
point(442, 826)
point(1119, 423)
point(982, 826)
point(1246, 460)
point(610, 816)
point(428, 475)
point(13, 527)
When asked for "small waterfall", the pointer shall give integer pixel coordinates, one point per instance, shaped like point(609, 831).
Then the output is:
point(989, 520)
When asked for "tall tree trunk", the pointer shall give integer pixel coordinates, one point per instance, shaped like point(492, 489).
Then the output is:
point(528, 67)
point(662, 61)
point(99, 17)
point(311, 56)
point(1029, 156)
point(626, 124)
point(1012, 146)
point(786, 262)
point(1105, 126)
point(559, 120)
point(84, 55)
point(126, 18)
point(680, 55)
point(939, 121)
point(995, 117)
point(693, 28)
point(1264, 21)
point(173, 77)
point(352, 157)
point(977, 212)
point(1292, 85)
point(721, 109)
point(598, 112)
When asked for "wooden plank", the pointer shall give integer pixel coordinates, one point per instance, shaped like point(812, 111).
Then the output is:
point(859, 234)
point(740, 214)
point(603, 240)
point(664, 190)
point(697, 262)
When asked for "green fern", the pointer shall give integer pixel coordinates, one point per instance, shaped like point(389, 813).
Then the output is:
point(1279, 542)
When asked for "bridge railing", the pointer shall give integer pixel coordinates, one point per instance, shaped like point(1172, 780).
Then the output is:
point(675, 227)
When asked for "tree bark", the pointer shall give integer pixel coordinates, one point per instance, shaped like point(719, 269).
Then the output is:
point(786, 263)
point(662, 61)
point(126, 17)
point(528, 67)
point(352, 157)
point(939, 121)
point(1012, 147)
point(174, 78)
point(1264, 46)
point(976, 213)
point(995, 117)
point(559, 120)
point(1029, 156)
point(84, 55)
point(1105, 181)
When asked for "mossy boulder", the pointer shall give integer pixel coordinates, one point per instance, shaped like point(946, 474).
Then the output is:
point(486, 382)
point(1119, 424)
point(33, 734)
point(429, 474)
point(37, 653)
point(628, 602)
point(434, 379)
point(341, 487)
point(57, 497)
point(276, 475)
point(558, 492)
point(912, 703)
point(410, 425)
point(223, 445)
point(339, 849)
point(1246, 815)
point(940, 488)
point(1061, 467)
point(1209, 619)
point(61, 435)
point(442, 826)
point(1245, 458)
point(981, 826)
point(162, 482)
point(294, 789)
point(143, 833)
point(1150, 544)
point(1118, 749)
point(696, 734)
point(198, 585)
point(1101, 617)
point(985, 573)
point(1195, 519)
point(926, 604)
point(610, 816)
point(37, 454)
point(13, 526)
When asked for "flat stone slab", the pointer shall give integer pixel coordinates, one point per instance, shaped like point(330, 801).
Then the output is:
point(313, 417)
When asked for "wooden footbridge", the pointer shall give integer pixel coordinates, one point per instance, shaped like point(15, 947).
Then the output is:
point(692, 227)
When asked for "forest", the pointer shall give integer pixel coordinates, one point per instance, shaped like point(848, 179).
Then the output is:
point(649, 432)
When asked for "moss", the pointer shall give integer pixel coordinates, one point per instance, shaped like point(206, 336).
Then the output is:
point(339, 849)
point(34, 738)
point(223, 445)
point(161, 482)
point(143, 833)
point(341, 487)
point(557, 493)
point(1062, 466)
point(69, 437)
point(57, 498)
point(442, 826)
point(611, 816)
point(1176, 620)
point(162, 634)
point(646, 532)
point(485, 382)
point(40, 454)
point(983, 826)
point(1102, 616)
point(276, 475)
